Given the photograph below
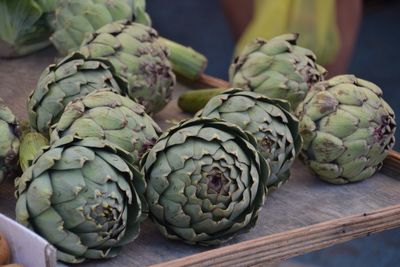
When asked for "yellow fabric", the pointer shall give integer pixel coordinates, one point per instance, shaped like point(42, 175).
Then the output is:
point(315, 20)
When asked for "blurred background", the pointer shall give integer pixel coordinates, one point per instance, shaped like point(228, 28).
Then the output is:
point(349, 36)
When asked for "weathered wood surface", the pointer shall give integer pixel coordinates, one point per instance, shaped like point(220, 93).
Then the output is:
point(304, 215)
point(280, 246)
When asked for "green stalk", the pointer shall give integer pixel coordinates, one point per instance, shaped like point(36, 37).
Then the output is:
point(193, 101)
point(185, 61)
point(32, 145)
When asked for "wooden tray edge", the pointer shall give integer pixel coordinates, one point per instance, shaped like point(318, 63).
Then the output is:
point(211, 81)
point(284, 245)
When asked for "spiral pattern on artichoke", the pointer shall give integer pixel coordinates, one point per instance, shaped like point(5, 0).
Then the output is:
point(268, 120)
point(83, 198)
point(206, 181)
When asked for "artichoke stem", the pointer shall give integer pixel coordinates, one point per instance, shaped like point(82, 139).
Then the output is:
point(185, 61)
point(32, 145)
point(193, 101)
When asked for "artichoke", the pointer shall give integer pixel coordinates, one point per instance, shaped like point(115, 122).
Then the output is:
point(277, 68)
point(32, 145)
point(75, 19)
point(139, 12)
point(137, 56)
point(206, 181)
point(348, 129)
point(83, 198)
point(48, 6)
point(9, 141)
point(268, 120)
point(23, 28)
point(59, 84)
point(106, 115)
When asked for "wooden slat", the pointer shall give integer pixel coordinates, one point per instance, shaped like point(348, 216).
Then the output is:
point(212, 81)
point(288, 244)
point(395, 155)
point(391, 165)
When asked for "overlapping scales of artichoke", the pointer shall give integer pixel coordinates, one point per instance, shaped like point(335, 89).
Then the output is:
point(206, 181)
point(137, 56)
point(83, 197)
point(347, 127)
point(277, 68)
point(73, 20)
point(110, 116)
point(9, 141)
point(61, 83)
point(268, 120)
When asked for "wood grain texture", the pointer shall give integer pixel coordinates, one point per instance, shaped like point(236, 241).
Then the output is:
point(291, 243)
point(300, 206)
point(212, 81)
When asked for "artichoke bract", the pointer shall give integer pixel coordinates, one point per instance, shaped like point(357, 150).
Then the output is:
point(206, 181)
point(83, 198)
point(348, 129)
point(277, 68)
point(137, 56)
point(115, 118)
point(9, 141)
point(32, 145)
point(48, 5)
point(61, 83)
point(75, 19)
point(268, 120)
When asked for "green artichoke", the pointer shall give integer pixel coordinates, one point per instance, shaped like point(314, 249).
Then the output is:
point(109, 116)
point(59, 84)
point(139, 12)
point(137, 56)
point(9, 141)
point(23, 28)
point(48, 6)
point(76, 19)
point(83, 198)
point(277, 68)
point(32, 145)
point(268, 120)
point(348, 129)
point(206, 181)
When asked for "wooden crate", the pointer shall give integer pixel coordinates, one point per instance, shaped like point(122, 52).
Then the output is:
point(304, 215)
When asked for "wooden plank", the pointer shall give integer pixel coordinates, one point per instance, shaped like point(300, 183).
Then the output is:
point(213, 82)
point(292, 243)
point(391, 164)
point(301, 206)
